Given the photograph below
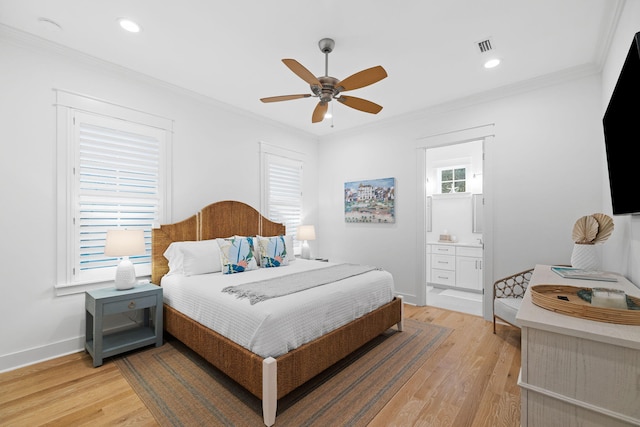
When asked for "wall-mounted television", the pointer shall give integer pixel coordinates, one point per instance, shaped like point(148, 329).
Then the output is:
point(621, 124)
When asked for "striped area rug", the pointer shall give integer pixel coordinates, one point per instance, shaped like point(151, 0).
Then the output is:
point(182, 389)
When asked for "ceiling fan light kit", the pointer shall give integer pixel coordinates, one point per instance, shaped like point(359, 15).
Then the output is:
point(327, 88)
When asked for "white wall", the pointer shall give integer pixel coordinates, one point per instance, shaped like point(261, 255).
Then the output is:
point(543, 170)
point(213, 145)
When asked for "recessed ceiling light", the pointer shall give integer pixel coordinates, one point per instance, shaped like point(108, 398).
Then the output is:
point(129, 25)
point(49, 24)
point(492, 63)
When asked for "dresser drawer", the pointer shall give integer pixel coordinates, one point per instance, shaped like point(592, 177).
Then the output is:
point(443, 262)
point(133, 303)
point(443, 249)
point(443, 277)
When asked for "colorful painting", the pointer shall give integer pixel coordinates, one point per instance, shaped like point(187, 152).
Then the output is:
point(371, 201)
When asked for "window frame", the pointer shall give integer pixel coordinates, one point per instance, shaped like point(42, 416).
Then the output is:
point(70, 106)
point(453, 181)
point(273, 154)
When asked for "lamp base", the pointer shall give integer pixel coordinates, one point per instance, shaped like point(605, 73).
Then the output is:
point(306, 251)
point(125, 275)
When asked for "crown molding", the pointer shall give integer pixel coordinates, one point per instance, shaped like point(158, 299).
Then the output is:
point(26, 40)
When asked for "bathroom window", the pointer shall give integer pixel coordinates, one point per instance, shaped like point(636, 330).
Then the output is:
point(453, 180)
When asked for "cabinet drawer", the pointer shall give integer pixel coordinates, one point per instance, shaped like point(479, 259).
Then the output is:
point(465, 251)
point(443, 249)
point(134, 303)
point(443, 262)
point(443, 277)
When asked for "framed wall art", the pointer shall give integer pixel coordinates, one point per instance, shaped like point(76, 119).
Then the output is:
point(371, 201)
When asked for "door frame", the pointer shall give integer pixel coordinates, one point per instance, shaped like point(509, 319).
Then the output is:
point(486, 134)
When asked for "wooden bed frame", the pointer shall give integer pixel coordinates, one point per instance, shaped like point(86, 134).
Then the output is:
point(268, 379)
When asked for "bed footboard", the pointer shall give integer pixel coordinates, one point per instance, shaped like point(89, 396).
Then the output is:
point(271, 379)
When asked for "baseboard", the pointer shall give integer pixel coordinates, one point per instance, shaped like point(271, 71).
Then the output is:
point(12, 361)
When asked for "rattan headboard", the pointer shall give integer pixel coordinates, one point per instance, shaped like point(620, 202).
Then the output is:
point(220, 219)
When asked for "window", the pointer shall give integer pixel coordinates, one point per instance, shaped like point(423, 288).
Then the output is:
point(453, 180)
point(281, 184)
point(112, 174)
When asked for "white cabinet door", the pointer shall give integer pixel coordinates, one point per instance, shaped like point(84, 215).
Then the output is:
point(469, 272)
point(428, 264)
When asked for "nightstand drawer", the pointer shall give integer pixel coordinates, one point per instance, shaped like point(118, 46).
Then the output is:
point(133, 303)
point(443, 277)
point(443, 262)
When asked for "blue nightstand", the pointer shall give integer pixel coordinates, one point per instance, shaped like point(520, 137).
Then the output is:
point(102, 302)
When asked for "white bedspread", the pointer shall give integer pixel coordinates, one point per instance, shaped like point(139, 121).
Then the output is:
point(279, 325)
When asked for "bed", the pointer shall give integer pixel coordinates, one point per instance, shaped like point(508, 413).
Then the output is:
point(268, 378)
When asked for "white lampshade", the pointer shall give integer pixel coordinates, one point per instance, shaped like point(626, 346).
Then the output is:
point(124, 243)
point(306, 232)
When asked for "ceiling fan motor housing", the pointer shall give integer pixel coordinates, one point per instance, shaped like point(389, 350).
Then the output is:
point(328, 91)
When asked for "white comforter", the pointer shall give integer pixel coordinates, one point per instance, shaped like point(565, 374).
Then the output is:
point(279, 325)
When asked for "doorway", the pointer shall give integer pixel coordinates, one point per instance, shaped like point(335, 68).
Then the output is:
point(454, 257)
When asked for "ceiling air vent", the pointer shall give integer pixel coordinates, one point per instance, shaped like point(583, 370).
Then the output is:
point(485, 46)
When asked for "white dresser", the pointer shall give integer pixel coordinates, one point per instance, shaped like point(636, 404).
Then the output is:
point(577, 372)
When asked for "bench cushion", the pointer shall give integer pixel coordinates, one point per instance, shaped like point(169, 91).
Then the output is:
point(507, 308)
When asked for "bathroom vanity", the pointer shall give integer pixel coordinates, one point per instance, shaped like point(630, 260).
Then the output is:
point(456, 265)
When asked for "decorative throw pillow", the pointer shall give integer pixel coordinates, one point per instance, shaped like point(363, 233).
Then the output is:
point(254, 246)
point(272, 251)
point(236, 255)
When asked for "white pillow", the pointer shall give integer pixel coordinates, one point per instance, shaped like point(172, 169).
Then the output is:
point(173, 254)
point(288, 240)
point(201, 258)
point(193, 257)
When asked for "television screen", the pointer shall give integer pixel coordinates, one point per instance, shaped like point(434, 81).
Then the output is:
point(621, 125)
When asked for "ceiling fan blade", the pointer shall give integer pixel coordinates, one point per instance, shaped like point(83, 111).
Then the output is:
point(362, 79)
point(285, 97)
point(360, 104)
point(319, 112)
point(302, 72)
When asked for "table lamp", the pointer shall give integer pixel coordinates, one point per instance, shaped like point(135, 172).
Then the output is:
point(305, 233)
point(124, 243)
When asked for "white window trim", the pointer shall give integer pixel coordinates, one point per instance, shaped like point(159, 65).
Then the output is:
point(265, 151)
point(466, 167)
point(67, 103)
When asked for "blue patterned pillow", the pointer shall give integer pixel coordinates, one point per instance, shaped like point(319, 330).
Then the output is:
point(236, 255)
point(272, 251)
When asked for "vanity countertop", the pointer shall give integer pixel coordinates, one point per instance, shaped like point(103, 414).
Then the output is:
point(469, 245)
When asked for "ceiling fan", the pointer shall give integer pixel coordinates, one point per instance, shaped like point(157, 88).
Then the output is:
point(327, 88)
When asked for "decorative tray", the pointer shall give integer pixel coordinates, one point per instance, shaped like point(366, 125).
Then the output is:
point(566, 299)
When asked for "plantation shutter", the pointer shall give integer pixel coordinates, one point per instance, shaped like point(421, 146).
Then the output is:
point(117, 185)
point(284, 191)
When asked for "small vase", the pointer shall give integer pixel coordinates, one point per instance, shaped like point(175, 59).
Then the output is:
point(584, 256)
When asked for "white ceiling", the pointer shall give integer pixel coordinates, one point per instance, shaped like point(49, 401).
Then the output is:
point(231, 51)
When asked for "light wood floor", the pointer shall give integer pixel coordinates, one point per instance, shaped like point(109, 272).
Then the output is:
point(469, 381)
